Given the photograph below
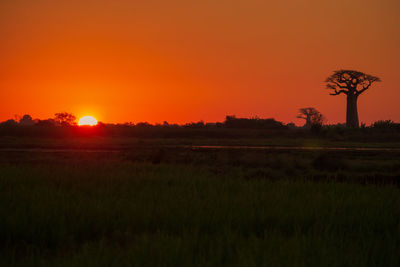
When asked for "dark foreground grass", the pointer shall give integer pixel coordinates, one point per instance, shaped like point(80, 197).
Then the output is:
point(140, 214)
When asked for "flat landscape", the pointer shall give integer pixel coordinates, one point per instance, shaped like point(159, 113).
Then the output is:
point(158, 202)
point(199, 133)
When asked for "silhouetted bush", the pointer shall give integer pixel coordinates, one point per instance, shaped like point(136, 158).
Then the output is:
point(253, 123)
point(26, 120)
point(9, 123)
point(195, 125)
point(46, 123)
point(385, 124)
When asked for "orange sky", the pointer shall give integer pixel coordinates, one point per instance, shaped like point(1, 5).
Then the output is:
point(183, 61)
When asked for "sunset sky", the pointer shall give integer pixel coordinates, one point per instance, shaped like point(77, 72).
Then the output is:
point(182, 60)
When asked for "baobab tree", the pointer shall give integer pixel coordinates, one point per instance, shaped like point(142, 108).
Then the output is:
point(311, 115)
point(351, 83)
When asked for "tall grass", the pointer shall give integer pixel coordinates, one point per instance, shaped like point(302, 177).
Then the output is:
point(141, 214)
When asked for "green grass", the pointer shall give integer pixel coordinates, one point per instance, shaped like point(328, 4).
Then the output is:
point(123, 213)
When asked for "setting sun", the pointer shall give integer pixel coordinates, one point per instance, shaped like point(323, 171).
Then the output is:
point(87, 120)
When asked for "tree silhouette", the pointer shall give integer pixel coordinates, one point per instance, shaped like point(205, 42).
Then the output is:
point(64, 118)
point(311, 115)
point(26, 120)
point(351, 83)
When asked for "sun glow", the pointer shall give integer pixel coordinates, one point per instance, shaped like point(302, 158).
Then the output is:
point(87, 120)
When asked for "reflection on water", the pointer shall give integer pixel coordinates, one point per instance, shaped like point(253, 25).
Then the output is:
point(297, 148)
point(200, 147)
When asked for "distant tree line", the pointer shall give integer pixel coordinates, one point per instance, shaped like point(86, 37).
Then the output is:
point(311, 116)
point(63, 125)
point(60, 119)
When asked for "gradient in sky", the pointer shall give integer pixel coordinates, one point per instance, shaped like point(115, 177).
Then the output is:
point(183, 61)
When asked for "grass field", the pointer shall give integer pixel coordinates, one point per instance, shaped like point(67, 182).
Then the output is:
point(182, 207)
point(101, 142)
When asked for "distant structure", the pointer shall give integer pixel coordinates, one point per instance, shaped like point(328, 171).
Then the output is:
point(351, 83)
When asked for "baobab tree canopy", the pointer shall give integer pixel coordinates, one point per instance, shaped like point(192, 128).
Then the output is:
point(351, 83)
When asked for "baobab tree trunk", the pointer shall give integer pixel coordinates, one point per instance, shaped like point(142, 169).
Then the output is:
point(352, 114)
point(308, 122)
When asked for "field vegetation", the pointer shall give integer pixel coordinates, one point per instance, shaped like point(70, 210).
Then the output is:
point(149, 206)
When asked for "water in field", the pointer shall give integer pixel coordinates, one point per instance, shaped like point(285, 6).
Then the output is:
point(206, 147)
